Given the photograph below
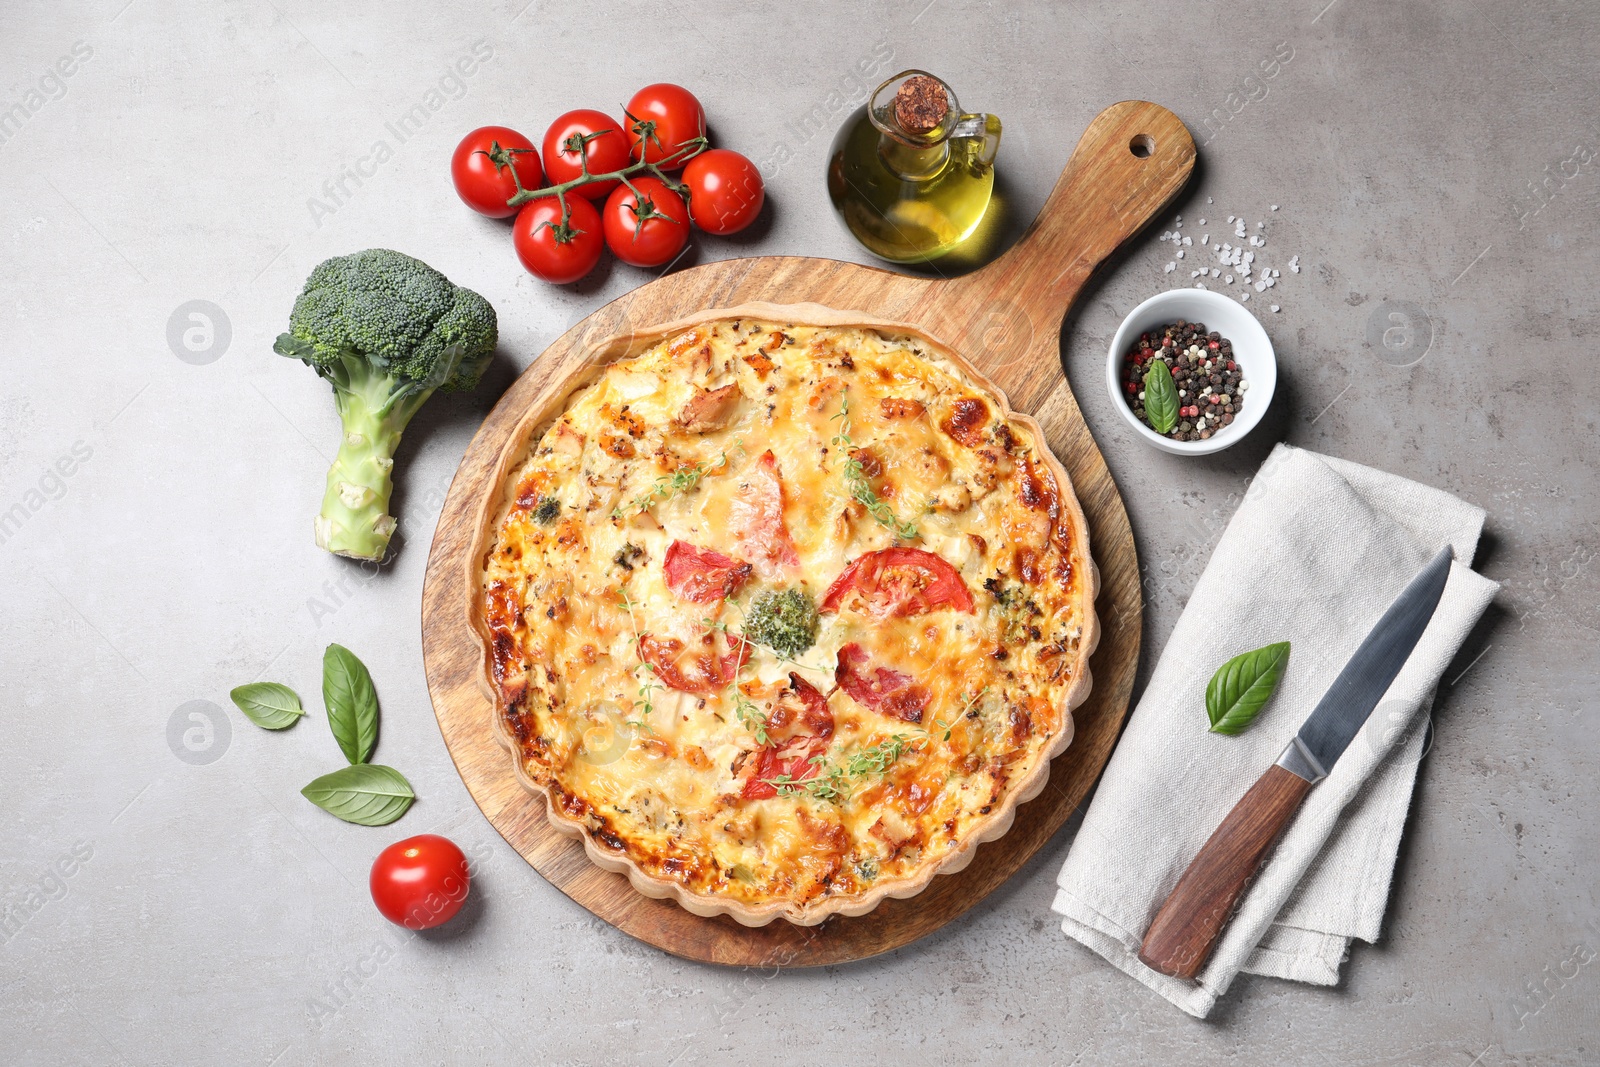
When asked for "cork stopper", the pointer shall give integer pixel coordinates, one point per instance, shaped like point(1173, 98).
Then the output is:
point(921, 104)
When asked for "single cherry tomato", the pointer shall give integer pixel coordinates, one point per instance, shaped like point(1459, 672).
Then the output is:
point(897, 582)
point(663, 122)
point(725, 191)
point(421, 882)
point(647, 232)
point(554, 252)
point(483, 165)
point(580, 136)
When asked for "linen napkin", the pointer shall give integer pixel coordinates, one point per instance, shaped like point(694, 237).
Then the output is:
point(1317, 551)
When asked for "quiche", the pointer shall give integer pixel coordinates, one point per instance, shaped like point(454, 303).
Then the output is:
point(782, 617)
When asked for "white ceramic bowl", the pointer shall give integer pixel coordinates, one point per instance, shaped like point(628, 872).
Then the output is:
point(1252, 350)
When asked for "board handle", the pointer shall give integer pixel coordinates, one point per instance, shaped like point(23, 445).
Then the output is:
point(1129, 164)
point(1188, 925)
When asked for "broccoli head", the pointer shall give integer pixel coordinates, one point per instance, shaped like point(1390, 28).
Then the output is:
point(785, 622)
point(386, 331)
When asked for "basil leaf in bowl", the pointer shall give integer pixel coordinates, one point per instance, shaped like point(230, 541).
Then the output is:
point(1160, 397)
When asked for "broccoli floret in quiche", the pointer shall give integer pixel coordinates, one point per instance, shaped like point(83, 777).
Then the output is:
point(785, 622)
point(547, 511)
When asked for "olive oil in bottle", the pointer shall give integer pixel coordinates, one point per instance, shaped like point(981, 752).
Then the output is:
point(909, 173)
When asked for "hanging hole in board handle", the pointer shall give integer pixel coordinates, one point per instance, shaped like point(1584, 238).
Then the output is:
point(1142, 146)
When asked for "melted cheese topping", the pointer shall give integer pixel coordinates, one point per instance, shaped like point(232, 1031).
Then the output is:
point(659, 449)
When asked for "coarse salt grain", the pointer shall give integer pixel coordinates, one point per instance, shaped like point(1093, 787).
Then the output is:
point(1274, 207)
point(1180, 253)
point(1188, 240)
point(1274, 308)
point(1228, 279)
point(1170, 267)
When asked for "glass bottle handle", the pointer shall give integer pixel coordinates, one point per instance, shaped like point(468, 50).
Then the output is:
point(983, 128)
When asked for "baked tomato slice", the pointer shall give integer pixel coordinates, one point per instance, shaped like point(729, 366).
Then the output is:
point(798, 730)
point(676, 667)
point(756, 515)
point(802, 708)
point(898, 581)
point(700, 575)
point(882, 689)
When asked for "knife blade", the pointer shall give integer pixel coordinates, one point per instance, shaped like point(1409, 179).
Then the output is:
point(1191, 921)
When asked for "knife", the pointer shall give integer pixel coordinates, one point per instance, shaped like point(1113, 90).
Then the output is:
point(1191, 921)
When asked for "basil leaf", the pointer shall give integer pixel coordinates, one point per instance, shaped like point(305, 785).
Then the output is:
point(352, 703)
point(366, 794)
point(1160, 397)
point(1242, 686)
point(269, 705)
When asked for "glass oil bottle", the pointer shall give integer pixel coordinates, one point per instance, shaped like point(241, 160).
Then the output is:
point(910, 173)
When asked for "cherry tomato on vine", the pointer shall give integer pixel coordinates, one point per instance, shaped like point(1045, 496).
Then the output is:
point(482, 169)
point(648, 233)
point(421, 882)
point(725, 191)
point(662, 119)
point(605, 147)
point(555, 253)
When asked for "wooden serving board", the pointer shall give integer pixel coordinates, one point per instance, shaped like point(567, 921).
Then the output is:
point(1006, 318)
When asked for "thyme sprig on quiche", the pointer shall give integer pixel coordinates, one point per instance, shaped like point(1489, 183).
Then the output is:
point(855, 476)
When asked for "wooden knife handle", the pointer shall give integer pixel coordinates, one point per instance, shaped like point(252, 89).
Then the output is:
point(1188, 925)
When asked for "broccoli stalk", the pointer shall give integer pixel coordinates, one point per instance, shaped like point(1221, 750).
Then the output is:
point(374, 409)
point(386, 331)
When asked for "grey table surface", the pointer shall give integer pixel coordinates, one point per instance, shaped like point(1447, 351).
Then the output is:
point(1434, 168)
